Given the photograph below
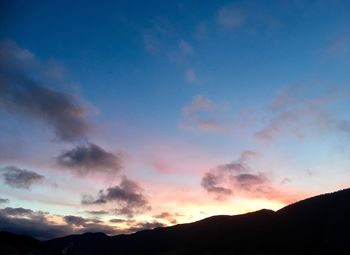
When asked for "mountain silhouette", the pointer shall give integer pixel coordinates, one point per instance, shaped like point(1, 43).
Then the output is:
point(318, 225)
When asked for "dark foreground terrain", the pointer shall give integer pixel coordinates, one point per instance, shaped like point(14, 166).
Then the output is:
point(318, 225)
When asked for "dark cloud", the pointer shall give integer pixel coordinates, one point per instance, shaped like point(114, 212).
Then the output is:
point(117, 220)
point(239, 165)
point(17, 211)
point(234, 166)
point(20, 178)
point(248, 179)
point(89, 199)
point(4, 201)
point(98, 212)
point(89, 158)
point(20, 93)
point(74, 220)
point(39, 225)
point(236, 178)
point(27, 222)
point(211, 183)
point(128, 195)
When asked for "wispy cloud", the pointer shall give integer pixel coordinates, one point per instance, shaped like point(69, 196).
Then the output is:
point(292, 113)
point(181, 52)
point(230, 17)
point(339, 46)
point(191, 76)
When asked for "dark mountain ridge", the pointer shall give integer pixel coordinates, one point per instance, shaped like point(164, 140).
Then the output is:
point(318, 225)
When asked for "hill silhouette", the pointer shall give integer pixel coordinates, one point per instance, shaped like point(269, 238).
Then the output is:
point(318, 225)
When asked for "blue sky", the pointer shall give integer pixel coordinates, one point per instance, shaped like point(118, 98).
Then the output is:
point(197, 107)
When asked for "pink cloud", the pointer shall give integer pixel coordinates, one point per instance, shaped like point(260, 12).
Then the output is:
point(292, 113)
point(200, 103)
point(202, 114)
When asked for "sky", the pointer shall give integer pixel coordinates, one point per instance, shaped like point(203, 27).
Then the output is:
point(116, 116)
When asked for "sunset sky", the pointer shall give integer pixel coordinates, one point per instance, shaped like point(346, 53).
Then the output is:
point(117, 116)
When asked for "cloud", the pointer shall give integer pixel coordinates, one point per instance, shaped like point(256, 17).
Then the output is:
point(191, 76)
point(83, 225)
point(202, 114)
point(200, 103)
point(237, 178)
point(286, 181)
point(230, 17)
point(9, 211)
point(4, 201)
point(161, 39)
point(89, 158)
point(22, 94)
point(239, 165)
point(99, 228)
point(247, 181)
point(211, 182)
point(20, 178)
point(128, 195)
